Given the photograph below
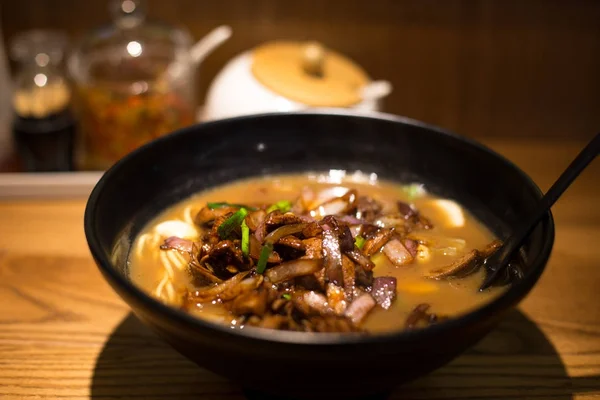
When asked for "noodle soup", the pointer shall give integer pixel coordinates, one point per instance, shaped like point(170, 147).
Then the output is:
point(308, 253)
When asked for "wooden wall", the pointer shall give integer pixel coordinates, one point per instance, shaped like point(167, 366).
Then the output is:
point(479, 67)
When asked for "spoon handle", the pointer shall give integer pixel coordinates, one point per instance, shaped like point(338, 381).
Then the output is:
point(501, 258)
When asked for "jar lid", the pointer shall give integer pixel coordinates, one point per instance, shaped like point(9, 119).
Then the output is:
point(40, 89)
point(42, 46)
point(131, 49)
point(309, 73)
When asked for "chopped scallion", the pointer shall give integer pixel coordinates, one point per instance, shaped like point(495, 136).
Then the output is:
point(231, 223)
point(359, 241)
point(265, 252)
point(283, 206)
point(245, 238)
point(221, 204)
point(287, 296)
point(414, 190)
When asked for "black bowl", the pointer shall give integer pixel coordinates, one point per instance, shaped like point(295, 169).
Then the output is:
point(169, 169)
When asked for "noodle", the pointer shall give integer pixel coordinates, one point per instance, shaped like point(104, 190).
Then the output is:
point(427, 236)
point(177, 259)
point(177, 228)
point(166, 264)
point(161, 286)
point(139, 250)
point(171, 293)
point(149, 244)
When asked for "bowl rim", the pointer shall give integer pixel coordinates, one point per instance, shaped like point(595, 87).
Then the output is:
point(509, 297)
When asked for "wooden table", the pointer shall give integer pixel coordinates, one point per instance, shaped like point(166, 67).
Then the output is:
point(65, 334)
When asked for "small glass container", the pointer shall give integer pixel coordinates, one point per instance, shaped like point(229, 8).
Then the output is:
point(43, 125)
point(125, 95)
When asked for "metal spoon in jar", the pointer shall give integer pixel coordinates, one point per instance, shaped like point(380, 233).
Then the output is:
point(501, 258)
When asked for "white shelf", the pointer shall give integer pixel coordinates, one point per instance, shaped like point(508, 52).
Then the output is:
point(47, 185)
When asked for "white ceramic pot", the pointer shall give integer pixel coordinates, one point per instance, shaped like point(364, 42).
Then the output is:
point(235, 92)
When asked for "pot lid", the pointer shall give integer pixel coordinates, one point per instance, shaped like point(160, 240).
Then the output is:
point(309, 73)
point(130, 49)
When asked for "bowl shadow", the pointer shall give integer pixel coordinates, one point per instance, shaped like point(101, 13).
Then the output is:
point(516, 360)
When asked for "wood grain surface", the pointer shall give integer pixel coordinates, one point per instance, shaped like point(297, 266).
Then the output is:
point(480, 67)
point(65, 334)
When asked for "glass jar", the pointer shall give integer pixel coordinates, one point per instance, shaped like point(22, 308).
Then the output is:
point(126, 95)
point(43, 125)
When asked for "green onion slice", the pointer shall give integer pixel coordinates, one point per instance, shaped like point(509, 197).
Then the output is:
point(245, 238)
point(359, 241)
point(287, 296)
point(221, 204)
point(231, 223)
point(283, 206)
point(414, 190)
point(265, 252)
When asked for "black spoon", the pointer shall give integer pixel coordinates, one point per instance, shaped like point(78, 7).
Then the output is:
point(503, 255)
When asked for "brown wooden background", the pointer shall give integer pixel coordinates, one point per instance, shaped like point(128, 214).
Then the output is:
point(479, 67)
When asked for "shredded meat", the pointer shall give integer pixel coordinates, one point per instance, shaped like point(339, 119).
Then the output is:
point(465, 265)
point(313, 247)
point(253, 302)
point(358, 257)
point(490, 248)
point(363, 277)
point(413, 217)
point(224, 259)
point(341, 231)
point(207, 215)
point(277, 218)
point(374, 243)
point(313, 229)
point(332, 256)
point(367, 208)
point(291, 241)
point(349, 274)
point(307, 269)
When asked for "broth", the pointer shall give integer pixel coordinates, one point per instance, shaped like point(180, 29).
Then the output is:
point(455, 232)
